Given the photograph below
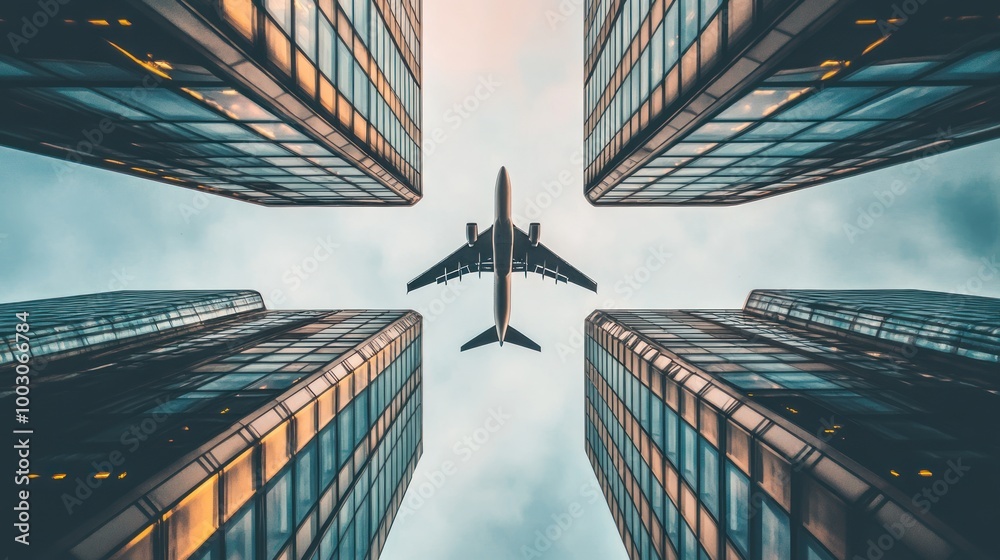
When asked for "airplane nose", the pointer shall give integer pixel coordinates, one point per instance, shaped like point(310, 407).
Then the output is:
point(503, 179)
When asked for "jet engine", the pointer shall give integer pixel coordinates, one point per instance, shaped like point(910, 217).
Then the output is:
point(472, 233)
point(534, 233)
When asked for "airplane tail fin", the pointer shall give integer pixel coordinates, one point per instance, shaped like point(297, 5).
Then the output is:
point(489, 336)
point(516, 337)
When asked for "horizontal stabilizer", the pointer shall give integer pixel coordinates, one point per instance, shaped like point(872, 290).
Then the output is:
point(515, 337)
point(488, 336)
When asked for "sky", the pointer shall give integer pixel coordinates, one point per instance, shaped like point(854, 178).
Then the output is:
point(504, 473)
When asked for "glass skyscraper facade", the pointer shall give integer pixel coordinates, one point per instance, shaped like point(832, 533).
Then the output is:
point(277, 102)
point(234, 432)
point(813, 425)
point(718, 102)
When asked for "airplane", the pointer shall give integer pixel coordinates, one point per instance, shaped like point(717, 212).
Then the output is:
point(502, 249)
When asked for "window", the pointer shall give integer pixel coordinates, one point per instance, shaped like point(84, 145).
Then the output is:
point(775, 534)
point(239, 480)
point(241, 15)
point(671, 38)
point(656, 420)
point(905, 101)
point(740, 15)
point(814, 551)
point(347, 543)
point(689, 25)
point(240, 534)
point(361, 421)
point(978, 65)
point(278, 513)
point(281, 11)
point(837, 130)
point(829, 103)
point(193, 520)
point(327, 48)
point(348, 7)
point(738, 446)
point(710, 477)
point(708, 9)
point(670, 427)
point(644, 81)
point(689, 454)
point(345, 434)
point(328, 542)
point(738, 507)
point(361, 536)
point(328, 454)
point(305, 27)
point(345, 70)
point(644, 406)
point(689, 545)
point(361, 86)
point(362, 14)
point(657, 496)
point(305, 481)
point(275, 446)
point(656, 47)
point(761, 103)
point(278, 47)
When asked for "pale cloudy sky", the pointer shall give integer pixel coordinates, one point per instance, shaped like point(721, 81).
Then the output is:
point(95, 231)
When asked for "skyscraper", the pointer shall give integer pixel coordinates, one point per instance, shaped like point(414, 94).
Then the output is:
point(277, 102)
point(813, 425)
point(202, 425)
point(718, 102)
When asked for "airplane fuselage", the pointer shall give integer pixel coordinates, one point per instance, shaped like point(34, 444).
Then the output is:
point(503, 255)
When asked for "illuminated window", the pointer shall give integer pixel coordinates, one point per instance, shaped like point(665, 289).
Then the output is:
point(192, 521)
point(238, 477)
point(241, 14)
point(305, 425)
point(139, 548)
point(278, 47)
point(275, 446)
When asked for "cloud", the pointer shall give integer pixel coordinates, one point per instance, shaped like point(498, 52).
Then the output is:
point(968, 212)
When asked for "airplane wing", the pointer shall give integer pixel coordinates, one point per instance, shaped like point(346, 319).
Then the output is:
point(541, 260)
point(466, 260)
